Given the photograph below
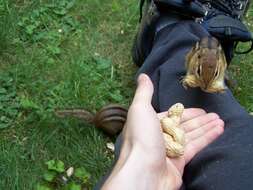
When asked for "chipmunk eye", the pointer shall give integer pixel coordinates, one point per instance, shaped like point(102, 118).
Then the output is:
point(199, 56)
point(198, 71)
point(216, 73)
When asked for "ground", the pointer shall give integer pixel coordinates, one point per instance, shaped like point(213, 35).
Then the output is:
point(62, 54)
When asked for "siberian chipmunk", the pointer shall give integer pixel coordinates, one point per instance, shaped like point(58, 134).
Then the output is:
point(206, 65)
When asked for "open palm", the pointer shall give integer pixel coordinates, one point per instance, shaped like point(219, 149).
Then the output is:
point(143, 131)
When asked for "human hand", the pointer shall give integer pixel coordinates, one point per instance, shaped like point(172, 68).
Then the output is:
point(143, 160)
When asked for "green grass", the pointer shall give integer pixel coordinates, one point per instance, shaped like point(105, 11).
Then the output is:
point(61, 54)
point(242, 69)
point(58, 54)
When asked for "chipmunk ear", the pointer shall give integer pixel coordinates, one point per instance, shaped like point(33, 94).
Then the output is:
point(220, 48)
point(196, 47)
point(192, 52)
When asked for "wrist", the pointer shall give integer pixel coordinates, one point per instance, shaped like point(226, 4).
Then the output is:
point(137, 171)
point(154, 172)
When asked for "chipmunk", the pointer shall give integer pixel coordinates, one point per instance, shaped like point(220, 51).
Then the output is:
point(110, 118)
point(206, 65)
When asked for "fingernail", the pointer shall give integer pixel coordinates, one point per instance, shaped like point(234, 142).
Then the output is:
point(219, 129)
point(142, 78)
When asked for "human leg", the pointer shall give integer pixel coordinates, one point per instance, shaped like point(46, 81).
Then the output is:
point(165, 65)
point(222, 163)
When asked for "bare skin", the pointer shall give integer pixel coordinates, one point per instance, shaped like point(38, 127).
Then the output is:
point(143, 163)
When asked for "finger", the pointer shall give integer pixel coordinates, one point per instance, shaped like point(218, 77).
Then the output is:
point(144, 91)
point(191, 113)
point(199, 121)
point(202, 130)
point(188, 114)
point(200, 143)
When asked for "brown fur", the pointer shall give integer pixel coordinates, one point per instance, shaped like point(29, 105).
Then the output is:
point(206, 65)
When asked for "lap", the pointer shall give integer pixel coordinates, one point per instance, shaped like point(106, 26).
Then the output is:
point(225, 164)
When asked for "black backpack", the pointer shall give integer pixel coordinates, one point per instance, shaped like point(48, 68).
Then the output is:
point(218, 17)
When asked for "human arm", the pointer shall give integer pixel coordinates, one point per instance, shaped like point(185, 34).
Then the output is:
point(142, 163)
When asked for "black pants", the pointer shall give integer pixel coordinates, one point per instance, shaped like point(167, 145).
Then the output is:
point(226, 164)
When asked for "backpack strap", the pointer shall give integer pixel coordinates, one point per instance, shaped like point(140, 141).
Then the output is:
point(187, 8)
point(243, 52)
point(229, 31)
point(141, 9)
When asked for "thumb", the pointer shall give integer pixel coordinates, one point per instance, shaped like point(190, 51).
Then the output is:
point(144, 91)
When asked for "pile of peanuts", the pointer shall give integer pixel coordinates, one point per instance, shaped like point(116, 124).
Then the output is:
point(174, 136)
